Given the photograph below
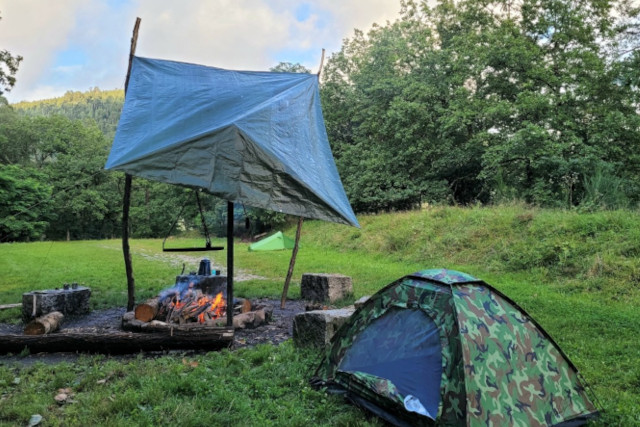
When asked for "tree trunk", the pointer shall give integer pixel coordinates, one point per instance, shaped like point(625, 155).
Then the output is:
point(147, 310)
point(45, 324)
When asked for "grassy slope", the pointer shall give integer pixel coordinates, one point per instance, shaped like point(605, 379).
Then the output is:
point(577, 274)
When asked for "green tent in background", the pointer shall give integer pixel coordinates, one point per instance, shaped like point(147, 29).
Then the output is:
point(275, 242)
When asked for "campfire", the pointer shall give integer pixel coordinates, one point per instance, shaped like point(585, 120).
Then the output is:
point(191, 306)
point(195, 302)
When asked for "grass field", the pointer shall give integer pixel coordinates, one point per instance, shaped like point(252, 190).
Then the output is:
point(578, 274)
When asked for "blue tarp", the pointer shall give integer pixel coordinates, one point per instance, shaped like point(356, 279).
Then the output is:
point(256, 138)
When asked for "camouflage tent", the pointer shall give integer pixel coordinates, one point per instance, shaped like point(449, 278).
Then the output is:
point(440, 347)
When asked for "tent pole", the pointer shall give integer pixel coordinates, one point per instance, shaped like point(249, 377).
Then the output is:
point(229, 263)
point(126, 202)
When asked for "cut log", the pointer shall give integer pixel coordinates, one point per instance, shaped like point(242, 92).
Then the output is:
point(147, 311)
point(129, 323)
point(246, 306)
point(117, 342)
point(44, 324)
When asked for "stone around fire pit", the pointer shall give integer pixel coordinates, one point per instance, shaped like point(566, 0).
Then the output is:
point(67, 301)
point(321, 287)
point(315, 328)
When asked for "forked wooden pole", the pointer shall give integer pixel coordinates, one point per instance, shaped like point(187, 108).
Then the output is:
point(292, 264)
point(321, 64)
point(294, 254)
point(126, 202)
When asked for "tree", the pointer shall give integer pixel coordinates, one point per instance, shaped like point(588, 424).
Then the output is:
point(464, 100)
point(25, 201)
point(73, 155)
point(8, 69)
point(69, 157)
point(290, 67)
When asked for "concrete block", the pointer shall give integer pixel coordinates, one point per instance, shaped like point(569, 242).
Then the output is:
point(325, 287)
point(361, 301)
point(67, 301)
point(315, 328)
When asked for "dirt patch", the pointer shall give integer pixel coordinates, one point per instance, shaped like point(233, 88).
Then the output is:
point(104, 321)
point(178, 260)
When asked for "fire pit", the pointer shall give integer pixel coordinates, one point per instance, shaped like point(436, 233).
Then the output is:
point(196, 304)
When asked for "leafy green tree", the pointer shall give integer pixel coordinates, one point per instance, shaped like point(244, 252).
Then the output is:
point(8, 68)
point(69, 156)
point(73, 155)
point(290, 67)
point(25, 201)
point(456, 100)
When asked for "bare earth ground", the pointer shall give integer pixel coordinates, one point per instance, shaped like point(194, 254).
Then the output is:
point(102, 321)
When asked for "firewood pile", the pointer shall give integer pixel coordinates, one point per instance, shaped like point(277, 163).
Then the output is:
point(189, 307)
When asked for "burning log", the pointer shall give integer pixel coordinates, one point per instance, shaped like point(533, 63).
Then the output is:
point(148, 310)
point(212, 327)
point(44, 324)
point(193, 306)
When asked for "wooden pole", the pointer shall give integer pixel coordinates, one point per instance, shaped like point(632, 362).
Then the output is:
point(126, 202)
point(294, 254)
point(229, 264)
point(292, 264)
point(321, 64)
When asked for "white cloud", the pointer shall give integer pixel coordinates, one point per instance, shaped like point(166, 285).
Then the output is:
point(242, 34)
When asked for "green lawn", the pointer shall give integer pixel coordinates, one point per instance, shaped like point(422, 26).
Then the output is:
point(577, 274)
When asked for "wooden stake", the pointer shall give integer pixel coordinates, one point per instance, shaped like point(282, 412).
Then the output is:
point(292, 264)
point(321, 63)
point(126, 202)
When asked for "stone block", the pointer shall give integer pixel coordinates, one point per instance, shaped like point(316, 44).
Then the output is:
point(67, 301)
point(325, 287)
point(315, 328)
point(361, 301)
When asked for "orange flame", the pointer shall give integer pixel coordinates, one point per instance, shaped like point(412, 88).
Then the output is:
point(216, 309)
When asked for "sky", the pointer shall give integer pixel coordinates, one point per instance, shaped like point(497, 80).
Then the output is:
point(80, 44)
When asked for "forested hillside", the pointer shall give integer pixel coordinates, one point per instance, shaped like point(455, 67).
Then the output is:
point(101, 106)
point(52, 178)
point(461, 102)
